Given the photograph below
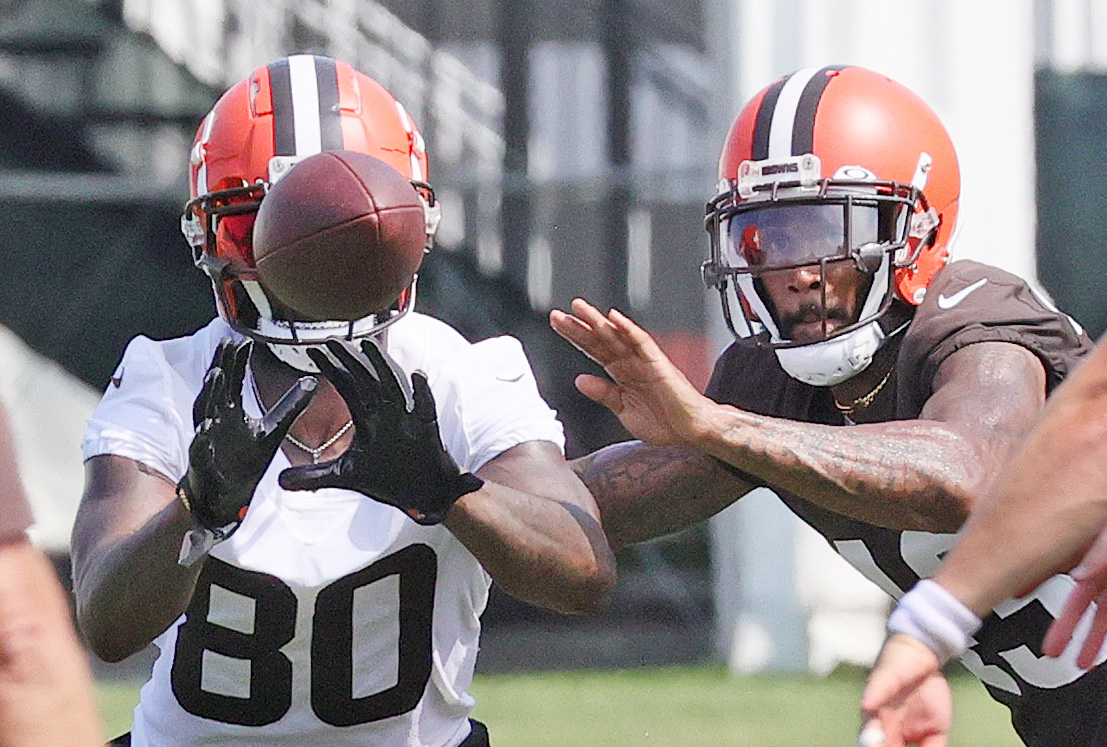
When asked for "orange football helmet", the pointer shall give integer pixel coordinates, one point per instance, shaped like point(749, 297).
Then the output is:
point(286, 110)
point(828, 166)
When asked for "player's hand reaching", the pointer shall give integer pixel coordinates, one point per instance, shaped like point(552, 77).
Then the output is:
point(906, 701)
point(1091, 587)
point(396, 456)
point(230, 450)
point(650, 395)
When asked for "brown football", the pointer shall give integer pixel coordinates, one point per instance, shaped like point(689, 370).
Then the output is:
point(340, 236)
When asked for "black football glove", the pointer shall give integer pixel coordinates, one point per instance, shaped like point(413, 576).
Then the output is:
point(230, 451)
point(397, 456)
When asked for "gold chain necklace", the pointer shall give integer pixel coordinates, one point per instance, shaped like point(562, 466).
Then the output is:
point(866, 399)
point(318, 450)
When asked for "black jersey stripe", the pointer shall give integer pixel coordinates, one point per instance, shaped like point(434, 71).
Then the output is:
point(803, 128)
point(284, 123)
point(330, 121)
point(765, 120)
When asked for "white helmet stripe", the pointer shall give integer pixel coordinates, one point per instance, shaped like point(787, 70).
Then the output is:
point(306, 114)
point(785, 124)
point(784, 114)
point(305, 105)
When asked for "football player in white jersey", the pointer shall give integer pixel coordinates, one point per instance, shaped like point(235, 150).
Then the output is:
point(306, 518)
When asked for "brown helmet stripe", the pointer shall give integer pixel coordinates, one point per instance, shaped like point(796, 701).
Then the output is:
point(765, 120)
point(803, 127)
point(785, 124)
point(306, 117)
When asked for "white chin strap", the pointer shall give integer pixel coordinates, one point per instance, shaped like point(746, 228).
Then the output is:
point(295, 356)
point(832, 361)
point(316, 334)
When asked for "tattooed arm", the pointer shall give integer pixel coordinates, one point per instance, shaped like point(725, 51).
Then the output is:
point(919, 474)
point(645, 492)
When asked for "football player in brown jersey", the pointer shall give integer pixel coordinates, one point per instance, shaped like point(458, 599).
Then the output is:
point(1045, 510)
point(874, 385)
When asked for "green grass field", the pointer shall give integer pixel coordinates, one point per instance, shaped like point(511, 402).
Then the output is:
point(705, 707)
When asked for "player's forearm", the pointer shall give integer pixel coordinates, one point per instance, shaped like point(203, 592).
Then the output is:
point(130, 589)
point(917, 475)
point(549, 553)
point(645, 492)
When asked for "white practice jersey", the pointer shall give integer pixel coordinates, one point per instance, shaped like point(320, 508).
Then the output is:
point(328, 618)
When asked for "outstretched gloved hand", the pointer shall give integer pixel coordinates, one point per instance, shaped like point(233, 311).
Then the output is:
point(230, 451)
point(396, 456)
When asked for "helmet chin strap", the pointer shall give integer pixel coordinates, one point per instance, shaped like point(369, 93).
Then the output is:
point(840, 358)
point(833, 361)
point(295, 356)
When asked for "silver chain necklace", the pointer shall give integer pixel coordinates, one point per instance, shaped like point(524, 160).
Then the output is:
point(321, 447)
point(318, 450)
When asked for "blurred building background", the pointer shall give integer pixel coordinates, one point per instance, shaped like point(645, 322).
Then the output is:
point(573, 144)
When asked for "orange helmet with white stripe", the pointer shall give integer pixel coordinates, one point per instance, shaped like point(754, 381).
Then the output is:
point(284, 111)
point(824, 167)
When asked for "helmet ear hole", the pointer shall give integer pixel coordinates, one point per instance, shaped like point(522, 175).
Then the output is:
point(912, 282)
point(925, 256)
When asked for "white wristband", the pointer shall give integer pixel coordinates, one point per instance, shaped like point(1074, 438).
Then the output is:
point(932, 615)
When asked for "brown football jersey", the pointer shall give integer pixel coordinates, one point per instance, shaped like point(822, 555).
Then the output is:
point(15, 514)
point(966, 303)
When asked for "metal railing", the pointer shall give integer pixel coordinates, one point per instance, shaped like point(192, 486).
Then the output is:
point(221, 42)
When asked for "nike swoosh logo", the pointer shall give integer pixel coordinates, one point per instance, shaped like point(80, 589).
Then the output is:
point(948, 302)
point(117, 381)
point(511, 379)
